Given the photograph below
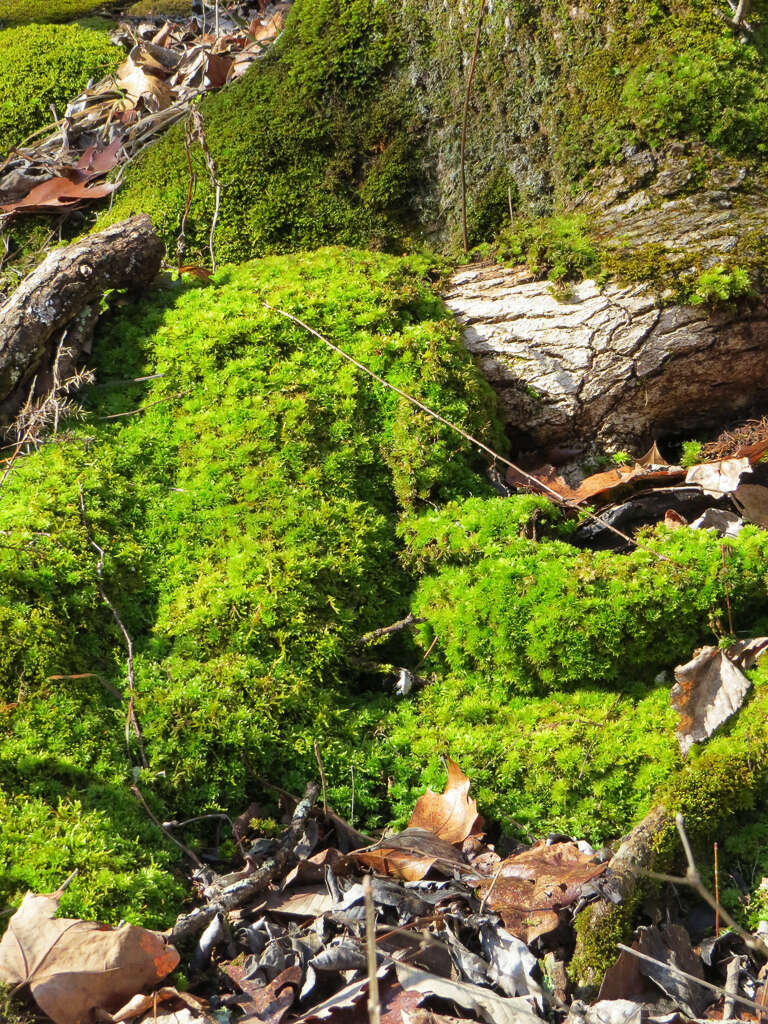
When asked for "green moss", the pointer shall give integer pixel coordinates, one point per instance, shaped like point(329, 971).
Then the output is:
point(313, 144)
point(596, 937)
point(145, 8)
point(15, 12)
point(249, 523)
point(548, 616)
point(558, 247)
point(43, 65)
point(341, 132)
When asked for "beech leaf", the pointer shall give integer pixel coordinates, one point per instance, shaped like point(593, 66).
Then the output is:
point(530, 887)
point(710, 688)
point(410, 854)
point(451, 815)
point(73, 966)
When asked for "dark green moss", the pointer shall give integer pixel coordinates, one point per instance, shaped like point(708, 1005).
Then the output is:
point(349, 130)
point(313, 145)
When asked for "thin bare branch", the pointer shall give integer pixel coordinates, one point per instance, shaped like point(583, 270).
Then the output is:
point(131, 718)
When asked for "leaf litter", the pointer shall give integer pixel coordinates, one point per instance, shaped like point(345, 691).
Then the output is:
point(283, 939)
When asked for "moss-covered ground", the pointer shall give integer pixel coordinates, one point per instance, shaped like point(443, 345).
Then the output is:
point(25, 12)
point(267, 508)
point(261, 505)
point(44, 65)
point(343, 133)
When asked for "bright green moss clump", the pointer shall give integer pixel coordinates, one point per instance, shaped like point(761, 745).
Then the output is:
point(42, 65)
point(270, 506)
point(249, 523)
point(549, 617)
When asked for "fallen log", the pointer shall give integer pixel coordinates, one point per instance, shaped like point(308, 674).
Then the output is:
point(608, 921)
point(55, 308)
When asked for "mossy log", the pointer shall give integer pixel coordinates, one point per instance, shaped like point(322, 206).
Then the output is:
point(607, 922)
point(59, 301)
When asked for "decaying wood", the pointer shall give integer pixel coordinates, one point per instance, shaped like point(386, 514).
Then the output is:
point(630, 866)
point(63, 294)
point(244, 889)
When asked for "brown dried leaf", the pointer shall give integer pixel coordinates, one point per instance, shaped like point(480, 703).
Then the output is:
point(141, 1004)
point(451, 815)
point(96, 162)
point(301, 902)
point(271, 30)
point(600, 486)
point(313, 868)
point(268, 1003)
point(57, 194)
point(410, 854)
point(73, 966)
point(140, 86)
point(530, 887)
point(710, 688)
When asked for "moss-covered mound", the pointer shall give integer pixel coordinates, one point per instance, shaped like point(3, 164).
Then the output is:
point(349, 130)
point(24, 12)
point(248, 519)
point(42, 65)
point(261, 505)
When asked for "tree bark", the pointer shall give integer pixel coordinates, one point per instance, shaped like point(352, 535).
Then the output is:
point(63, 295)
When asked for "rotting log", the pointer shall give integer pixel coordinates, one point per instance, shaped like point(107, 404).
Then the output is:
point(57, 305)
point(608, 921)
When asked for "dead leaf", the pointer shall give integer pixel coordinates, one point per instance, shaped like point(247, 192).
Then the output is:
point(57, 194)
point(652, 457)
point(451, 815)
point(484, 1002)
point(140, 86)
point(718, 478)
point(301, 902)
point(268, 32)
point(710, 688)
point(201, 273)
point(96, 162)
point(410, 854)
point(673, 520)
point(141, 1004)
point(267, 1003)
point(603, 485)
point(530, 887)
point(347, 999)
point(73, 966)
point(313, 868)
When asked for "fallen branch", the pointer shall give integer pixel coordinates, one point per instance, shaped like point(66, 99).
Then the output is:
point(131, 721)
point(409, 620)
point(243, 891)
point(64, 293)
